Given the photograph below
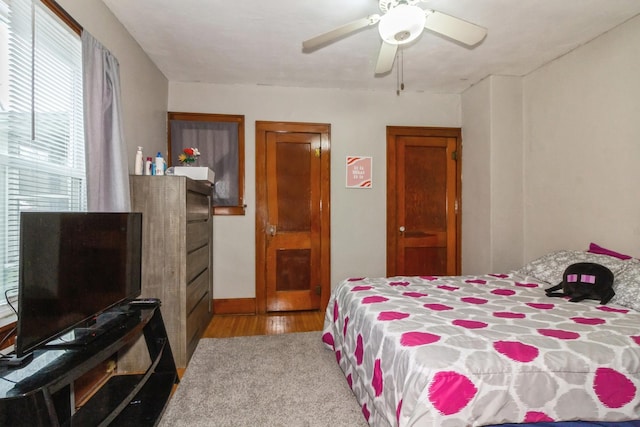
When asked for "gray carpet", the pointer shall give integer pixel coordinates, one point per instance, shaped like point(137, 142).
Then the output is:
point(271, 380)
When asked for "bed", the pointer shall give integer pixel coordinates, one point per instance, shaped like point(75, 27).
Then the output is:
point(491, 349)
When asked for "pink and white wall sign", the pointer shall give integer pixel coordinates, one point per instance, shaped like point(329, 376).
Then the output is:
point(359, 172)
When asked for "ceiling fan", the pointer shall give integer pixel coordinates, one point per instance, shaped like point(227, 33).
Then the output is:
point(401, 22)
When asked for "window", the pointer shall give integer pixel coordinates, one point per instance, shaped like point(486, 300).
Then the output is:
point(220, 140)
point(42, 164)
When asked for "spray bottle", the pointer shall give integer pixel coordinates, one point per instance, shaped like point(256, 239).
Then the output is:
point(139, 165)
point(159, 164)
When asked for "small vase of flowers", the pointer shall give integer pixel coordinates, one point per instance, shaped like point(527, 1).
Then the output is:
point(189, 156)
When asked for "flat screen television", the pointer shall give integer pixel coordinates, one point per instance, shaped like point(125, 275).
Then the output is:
point(73, 267)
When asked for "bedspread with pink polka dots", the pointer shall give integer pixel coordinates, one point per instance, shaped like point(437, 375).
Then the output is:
point(478, 350)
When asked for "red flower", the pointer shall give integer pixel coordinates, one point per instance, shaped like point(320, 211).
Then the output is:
point(188, 151)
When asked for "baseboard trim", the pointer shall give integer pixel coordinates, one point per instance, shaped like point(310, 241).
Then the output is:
point(234, 306)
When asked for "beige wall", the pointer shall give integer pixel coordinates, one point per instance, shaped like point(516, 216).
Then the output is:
point(144, 87)
point(358, 124)
point(582, 147)
point(507, 198)
point(492, 193)
point(551, 159)
point(476, 179)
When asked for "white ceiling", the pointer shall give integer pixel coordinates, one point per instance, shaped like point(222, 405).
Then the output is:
point(259, 42)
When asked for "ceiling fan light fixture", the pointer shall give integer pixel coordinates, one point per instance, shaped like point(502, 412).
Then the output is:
point(402, 24)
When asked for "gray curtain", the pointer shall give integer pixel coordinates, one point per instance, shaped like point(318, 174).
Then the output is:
point(106, 154)
point(218, 146)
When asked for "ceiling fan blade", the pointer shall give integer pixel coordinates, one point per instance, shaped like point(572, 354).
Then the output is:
point(455, 28)
point(386, 57)
point(333, 35)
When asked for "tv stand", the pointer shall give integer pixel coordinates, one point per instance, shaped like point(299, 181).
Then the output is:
point(85, 334)
point(14, 360)
point(40, 392)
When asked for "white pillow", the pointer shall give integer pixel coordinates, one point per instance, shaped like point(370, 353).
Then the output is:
point(627, 286)
point(550, 268)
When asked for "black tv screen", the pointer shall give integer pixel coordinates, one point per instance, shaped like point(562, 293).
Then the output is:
point(73, 266)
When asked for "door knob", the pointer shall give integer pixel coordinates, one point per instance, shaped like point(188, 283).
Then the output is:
point(272, 230)
point(402, 228)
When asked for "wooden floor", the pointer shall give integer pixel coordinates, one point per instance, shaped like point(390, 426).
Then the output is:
point(224, 326)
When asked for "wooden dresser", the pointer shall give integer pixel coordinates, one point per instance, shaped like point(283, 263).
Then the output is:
point(177, 260)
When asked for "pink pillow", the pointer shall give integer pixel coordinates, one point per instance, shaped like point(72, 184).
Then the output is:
point(596, 249)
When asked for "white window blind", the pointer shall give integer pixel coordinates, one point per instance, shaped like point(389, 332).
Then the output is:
point(42, 163)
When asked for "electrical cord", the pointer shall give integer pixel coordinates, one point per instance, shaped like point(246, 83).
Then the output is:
point(13, 330)
point(6, 297)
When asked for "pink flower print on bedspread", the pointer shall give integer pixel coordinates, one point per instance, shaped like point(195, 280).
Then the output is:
point(374, 299)
point(450, 392)
point(361, 288)
point(377, 381)
point(516, 351)
point(392, 315)
point(474, 300)
point(398, 283)
point(503, 292)
point(527, 285)
point(612, 309)
point(540, 306)
point(470, 324)
point(398, 410)
point(588, 320)
point(359, 352)
point(365, 412)
point(509, 315)
point(414, 339)
point(346, 324)
point(613, 388)
point(415, 294)
point(537, 417)
point(327, 338)
point(438, 307)
point(560, 334)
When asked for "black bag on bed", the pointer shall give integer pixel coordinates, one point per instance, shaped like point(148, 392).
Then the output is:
point(585, 280)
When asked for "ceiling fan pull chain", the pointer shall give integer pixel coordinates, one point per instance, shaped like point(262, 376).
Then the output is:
point(399, 71)
point(398, 74)
point(402, 70)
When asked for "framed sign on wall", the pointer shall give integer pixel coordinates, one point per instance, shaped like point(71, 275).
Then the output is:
point(359, 172)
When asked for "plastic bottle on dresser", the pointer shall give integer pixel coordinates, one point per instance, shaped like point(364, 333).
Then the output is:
point(147, 166)
point(139, 165)
point(159, 164)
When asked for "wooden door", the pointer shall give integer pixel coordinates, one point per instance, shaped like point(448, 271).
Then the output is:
point(423, 201)
point(292, 216)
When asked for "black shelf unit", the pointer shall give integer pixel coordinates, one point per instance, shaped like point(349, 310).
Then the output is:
point(40, 393)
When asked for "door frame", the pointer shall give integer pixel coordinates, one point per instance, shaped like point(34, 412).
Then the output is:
point(392, 218)
point(262, 128)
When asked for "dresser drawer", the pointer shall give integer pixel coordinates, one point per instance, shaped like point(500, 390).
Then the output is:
point(197, 262)
point(196, 289)
point(198, 234)
point(197, 322)
point(198, 206)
